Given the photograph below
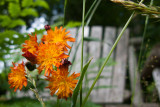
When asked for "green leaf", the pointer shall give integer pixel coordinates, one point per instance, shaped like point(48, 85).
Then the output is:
point(29, 11)
point(103, 86)
point(41, 3)
point(17, 22)
point(76, 90)
point(27, 3)
point(58, 23)
point(72, 24)
point(2, 2)
point(15, 1)
point(91, 39)
point(7, 34)
point(5, 20)
point(14, 9)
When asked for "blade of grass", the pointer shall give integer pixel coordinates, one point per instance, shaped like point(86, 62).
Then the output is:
point(90, 9)
point(83, 18)
point(140, 55)
point(91, 39)
point(92, 13)
point(76, 90)
point(107, 58)
point(65, 4)
point(144, 34)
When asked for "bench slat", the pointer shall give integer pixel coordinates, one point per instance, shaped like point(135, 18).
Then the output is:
point(73, 32)
point(136, 88)
point(103, 93)
point(77, 63)
point(119, 73)
point(114, 76)
point(94, 51)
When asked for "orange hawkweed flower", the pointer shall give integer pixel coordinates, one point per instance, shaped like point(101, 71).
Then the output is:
point(31, 45)
point(62, 84)
point(50, 54)
point(30, 49)
point(17, 77)
point(59, 36)
point(31, 57)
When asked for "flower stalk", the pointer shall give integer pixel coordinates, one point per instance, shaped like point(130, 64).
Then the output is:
point(83, 19)
point(31, 80)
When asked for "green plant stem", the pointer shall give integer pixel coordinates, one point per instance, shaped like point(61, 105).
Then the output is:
point(65, 4)
point(90, 9)
point(58, 105)
point(83, 19)
point(139, 61)
point(144, 34)
point(92, 13)
point(140, 55)
point(107, 58)
point(30, 79)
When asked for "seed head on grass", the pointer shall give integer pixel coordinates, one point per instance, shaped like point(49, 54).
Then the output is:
point(153, 11)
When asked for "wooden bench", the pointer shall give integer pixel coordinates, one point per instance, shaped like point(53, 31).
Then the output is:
point(110, 87)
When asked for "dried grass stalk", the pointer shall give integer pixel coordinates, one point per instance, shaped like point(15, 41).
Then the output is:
point(153, 11)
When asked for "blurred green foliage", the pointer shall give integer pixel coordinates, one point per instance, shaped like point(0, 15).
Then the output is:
point(27, 102)
point(12, 16)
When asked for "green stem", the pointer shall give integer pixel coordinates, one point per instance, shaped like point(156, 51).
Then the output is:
point(83, 18)
point(107, 58)
point(65, 4)
point(92, 13)
point(144, 34)
point(90, 9)
point(35, 90)
point(140, 55)
point(139, 62)
point(58, 105)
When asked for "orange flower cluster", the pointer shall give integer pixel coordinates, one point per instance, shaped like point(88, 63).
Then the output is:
point(62, 84)
point(17, 76)
point(52, 51)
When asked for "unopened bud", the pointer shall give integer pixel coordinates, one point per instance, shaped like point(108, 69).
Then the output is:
point(30, 66)
point(66, 62)
point(47, 27)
